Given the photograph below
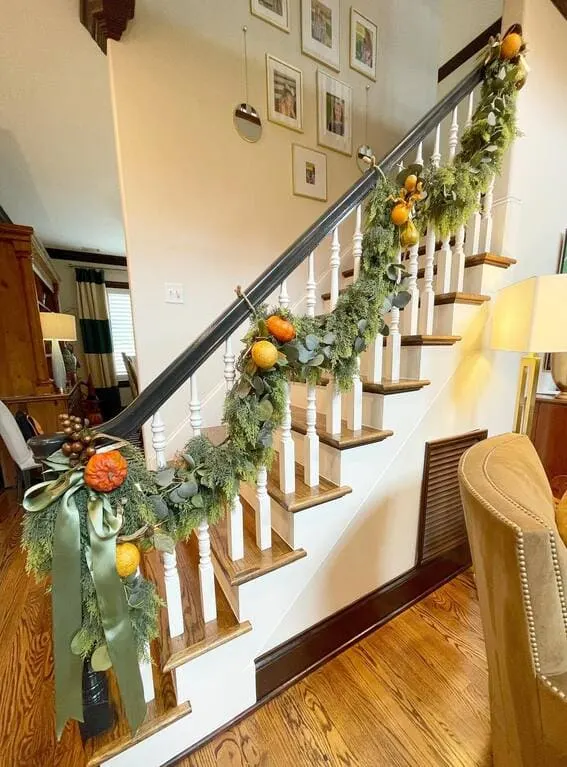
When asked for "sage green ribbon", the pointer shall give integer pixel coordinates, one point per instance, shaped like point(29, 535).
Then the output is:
point(103, 525)
point(65, 593)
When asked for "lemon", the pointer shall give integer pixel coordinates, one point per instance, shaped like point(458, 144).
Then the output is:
point(511, 46)
point(410, 183)
point(264, 354)
point(399, 214)
point(127, 559)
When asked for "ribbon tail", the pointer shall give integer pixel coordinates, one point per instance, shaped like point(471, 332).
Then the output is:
point(67, 613)
point(113, 608)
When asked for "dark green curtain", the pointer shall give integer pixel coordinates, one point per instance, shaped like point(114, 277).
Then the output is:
point(97, 339)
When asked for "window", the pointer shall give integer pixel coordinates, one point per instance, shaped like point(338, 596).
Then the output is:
point(121, 329)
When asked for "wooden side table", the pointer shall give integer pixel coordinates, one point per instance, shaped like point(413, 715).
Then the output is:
point(549, 434)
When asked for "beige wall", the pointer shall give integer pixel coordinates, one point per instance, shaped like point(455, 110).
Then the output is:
point(201, 206)
point(57, 157)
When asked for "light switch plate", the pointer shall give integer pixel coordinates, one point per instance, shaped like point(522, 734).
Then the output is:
point(173, 293)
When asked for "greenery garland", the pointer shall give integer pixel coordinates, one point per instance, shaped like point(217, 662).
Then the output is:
point(206, 478)
point(160, 508)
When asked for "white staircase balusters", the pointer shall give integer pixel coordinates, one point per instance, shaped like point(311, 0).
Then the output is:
point(445, 257)
point(234, 518)
point(169, 561)
point(392, 354)
point(206, 572)
point(487, 216)
point(428, 294)
point(354, 412)
point(410, 316)
point(263, 511)
point(311, 439)
point(287, 445)
point(334, 414)
point(472, 244)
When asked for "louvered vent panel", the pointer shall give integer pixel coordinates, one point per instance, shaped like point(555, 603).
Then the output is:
point(442, 522)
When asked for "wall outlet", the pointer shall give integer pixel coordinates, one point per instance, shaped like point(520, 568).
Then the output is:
point(173, 293)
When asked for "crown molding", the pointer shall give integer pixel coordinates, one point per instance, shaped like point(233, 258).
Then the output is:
point(106, 19)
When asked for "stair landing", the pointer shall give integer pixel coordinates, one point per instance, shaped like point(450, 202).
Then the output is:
point(343, 441)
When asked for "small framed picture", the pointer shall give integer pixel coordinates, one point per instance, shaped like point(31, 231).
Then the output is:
point(275, 12)
point(285, 94)
point(334, 113)
point(320, 27)
point(363, 44)
point(309, 172)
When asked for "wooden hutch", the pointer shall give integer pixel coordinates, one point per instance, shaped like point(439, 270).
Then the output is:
point(28, 286)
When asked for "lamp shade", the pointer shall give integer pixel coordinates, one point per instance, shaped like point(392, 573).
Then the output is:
point(59, 326)
point(531, 316)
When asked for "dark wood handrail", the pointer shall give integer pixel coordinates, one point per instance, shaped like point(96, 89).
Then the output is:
point(189, 361)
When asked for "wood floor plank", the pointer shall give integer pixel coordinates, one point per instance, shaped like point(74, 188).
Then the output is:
point(415, 692)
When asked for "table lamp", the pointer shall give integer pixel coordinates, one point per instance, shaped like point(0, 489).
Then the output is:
point(530, 317)
point(57, 327)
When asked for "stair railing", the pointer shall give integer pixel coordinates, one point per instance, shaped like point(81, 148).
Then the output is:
point(418, 317)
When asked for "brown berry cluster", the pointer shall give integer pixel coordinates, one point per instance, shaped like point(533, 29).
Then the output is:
point(78, 446)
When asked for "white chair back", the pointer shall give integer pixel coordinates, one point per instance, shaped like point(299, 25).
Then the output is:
point(13, 438)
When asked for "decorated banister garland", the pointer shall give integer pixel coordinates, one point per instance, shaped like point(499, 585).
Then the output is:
point(85, 525)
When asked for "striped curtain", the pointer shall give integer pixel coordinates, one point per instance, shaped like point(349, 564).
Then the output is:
point(97, 339)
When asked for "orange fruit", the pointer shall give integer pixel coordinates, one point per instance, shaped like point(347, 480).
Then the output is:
point(127, 559)
point(106, 471)
point(264, 354)
point(510, 46)
point(281, 329)
point(410, 183)
point(399, 214)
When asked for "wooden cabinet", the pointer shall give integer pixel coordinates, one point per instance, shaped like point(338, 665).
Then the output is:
point(549, 434)
point(23, 368)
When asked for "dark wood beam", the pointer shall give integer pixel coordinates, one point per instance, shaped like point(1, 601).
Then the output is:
point(85, 257)
point(106, 19)
point(561, 6)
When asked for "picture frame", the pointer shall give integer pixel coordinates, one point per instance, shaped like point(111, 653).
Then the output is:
point(363, 44)
point(285, 93)
point(334, 113)
point(309, 172)
point(275, 12)
point(561, 269)
point(320, 31)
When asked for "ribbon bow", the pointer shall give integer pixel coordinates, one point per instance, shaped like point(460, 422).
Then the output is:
point(103, 526)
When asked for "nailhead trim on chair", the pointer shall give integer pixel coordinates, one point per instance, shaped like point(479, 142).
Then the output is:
point(527, 601)
point(552, 687)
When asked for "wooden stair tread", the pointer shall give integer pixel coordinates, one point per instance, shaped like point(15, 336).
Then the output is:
point(343, 441)
point(199, 637)
point(255, 562)
point(162, 711)
point(421, 340)
point(493, 259)
point(386, 387)
point(394, 387)
point(304, 496)
point(327, 296)
point(472, 299)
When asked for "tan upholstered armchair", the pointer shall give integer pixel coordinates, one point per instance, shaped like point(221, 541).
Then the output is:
point(520, 566)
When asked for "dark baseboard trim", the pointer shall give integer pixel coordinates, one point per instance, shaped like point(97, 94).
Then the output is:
point(286, 664)
point(470, 50)
point(86, 257)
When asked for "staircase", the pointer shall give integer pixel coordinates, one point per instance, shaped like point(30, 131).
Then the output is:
point(289, 553)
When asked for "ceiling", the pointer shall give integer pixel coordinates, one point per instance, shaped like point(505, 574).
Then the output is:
point(57, 154)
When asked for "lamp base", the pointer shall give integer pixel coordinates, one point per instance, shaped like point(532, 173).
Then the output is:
point(525, 399)
point(59, 372)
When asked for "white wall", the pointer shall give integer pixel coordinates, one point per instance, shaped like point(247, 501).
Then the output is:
point(57, 156)
point(201, 206)
point(463, 20)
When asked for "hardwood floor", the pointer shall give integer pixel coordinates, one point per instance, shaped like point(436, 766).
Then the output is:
point(413, 693)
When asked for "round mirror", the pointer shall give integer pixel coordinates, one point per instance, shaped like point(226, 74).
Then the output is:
point(247, 123)
point(364, 157)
